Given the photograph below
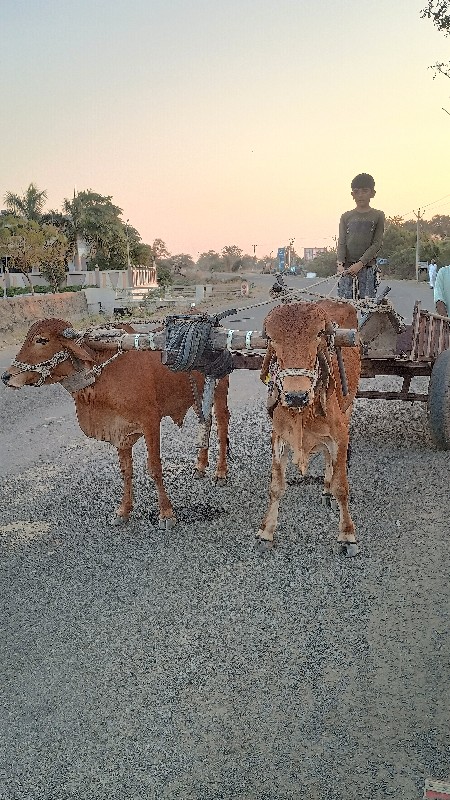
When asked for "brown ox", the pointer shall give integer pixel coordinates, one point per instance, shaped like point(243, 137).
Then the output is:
point(310, 412)
point(128, 400)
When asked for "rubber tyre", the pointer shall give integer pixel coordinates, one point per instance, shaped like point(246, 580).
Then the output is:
point(439, 401)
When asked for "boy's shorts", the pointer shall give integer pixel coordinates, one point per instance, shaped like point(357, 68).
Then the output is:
point(364, 284)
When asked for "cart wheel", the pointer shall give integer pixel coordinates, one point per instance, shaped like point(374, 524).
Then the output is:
point(439, 401)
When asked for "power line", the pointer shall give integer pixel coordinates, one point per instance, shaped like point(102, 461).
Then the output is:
point(427, 206)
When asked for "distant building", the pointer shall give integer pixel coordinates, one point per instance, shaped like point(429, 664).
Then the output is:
point(311, 252)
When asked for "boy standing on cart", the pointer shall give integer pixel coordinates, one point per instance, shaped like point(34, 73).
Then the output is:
point(360, 238)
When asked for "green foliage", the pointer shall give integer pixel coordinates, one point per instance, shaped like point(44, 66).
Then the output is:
point(439, 13)
point(54, 257)
point(209, 261)
point(231, 257)
point(324, 264)
point(29, 205)
point(16, 291)
point(164, 275)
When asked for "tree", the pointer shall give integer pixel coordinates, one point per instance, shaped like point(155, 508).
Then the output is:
point(396, 221)
point(54, 256)
point(324, 264)
point(159, 249)
point(439, 226)
point(439, 13)
point(22, 241)
point(231, 254)
point(94, 218)
point(182, 263)
point(210, 261)
point(28, 205)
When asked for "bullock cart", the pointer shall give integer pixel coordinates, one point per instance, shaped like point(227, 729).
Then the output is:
point(388, 347)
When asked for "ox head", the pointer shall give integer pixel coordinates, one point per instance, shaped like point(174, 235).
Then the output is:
point(48, 355)
point(300, 335)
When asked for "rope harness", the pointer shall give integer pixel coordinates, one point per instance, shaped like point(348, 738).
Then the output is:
point(319, 375)
point(45, 368)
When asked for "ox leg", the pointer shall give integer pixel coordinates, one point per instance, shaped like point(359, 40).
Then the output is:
point(167, 518)
point(280, 453)
point(222, 416)
point(126, 467)
point(326, 494)
point(340, 490)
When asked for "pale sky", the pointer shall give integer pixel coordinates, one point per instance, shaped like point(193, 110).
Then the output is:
point(234, 122)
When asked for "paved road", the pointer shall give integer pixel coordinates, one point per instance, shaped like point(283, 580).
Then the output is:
point(139, 663)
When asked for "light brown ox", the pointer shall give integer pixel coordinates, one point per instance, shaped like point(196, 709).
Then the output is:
point(310, 413)
point(127, 401)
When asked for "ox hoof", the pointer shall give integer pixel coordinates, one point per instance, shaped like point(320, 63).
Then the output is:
point(326, 500)
point(220, 481)
point(263, 545)
point(120, 519)
point(350, 549)
point(166, 523)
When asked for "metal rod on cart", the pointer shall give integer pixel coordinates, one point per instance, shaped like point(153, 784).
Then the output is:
point(342, 374)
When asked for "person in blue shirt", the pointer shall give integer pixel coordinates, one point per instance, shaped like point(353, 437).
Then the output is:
point(442, 291)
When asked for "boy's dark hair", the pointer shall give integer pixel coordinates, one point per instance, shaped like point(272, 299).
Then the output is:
point(363, 181)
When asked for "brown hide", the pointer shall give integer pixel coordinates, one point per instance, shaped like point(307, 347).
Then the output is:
point(298, 340)
point(128, 400)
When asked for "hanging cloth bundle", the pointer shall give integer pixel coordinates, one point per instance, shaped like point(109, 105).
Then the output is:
point(187, 347)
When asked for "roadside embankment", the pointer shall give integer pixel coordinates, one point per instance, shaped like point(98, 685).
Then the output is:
point(18, 313)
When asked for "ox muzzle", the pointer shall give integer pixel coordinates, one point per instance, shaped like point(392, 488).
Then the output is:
point(296, 399)
point(6, 377)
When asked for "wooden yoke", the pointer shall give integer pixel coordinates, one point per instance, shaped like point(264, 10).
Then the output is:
point(221, 339)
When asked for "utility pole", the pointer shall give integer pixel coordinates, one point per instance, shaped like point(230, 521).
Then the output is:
point(128, 243)
point(254, 255)
point(417, 242)
point(291, 242)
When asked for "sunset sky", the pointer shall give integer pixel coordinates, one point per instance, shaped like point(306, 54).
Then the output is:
point(234, 122)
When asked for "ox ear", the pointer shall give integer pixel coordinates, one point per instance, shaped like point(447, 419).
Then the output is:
point(329, 328)
point(75, 348)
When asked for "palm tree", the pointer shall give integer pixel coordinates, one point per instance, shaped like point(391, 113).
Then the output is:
point(29, 205)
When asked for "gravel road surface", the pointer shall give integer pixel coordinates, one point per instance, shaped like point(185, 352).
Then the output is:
point(139, 663)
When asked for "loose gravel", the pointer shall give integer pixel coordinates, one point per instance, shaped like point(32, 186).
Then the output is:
point(140, 663)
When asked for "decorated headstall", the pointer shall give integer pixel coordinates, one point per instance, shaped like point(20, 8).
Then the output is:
point(321, 376)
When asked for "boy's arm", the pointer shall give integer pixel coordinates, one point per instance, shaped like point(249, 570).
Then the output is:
point(377, 241)
point(342, 242)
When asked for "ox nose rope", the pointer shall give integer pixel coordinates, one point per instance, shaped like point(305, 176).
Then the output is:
point(43, 368)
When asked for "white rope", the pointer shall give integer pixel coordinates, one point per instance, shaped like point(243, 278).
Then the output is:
point(43, 368)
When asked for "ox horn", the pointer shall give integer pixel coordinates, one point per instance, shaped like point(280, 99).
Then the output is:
point(69, 333)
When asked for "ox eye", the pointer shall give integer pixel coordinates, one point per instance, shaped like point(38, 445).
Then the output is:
point(41, 340)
